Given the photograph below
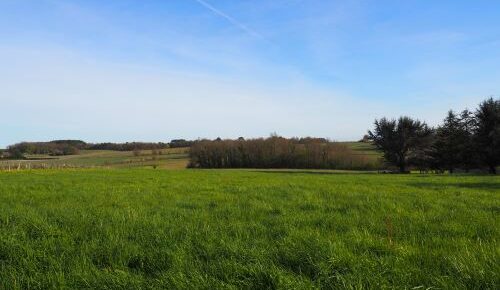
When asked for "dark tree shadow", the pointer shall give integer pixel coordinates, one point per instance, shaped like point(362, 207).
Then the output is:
point(318, 172)
point(471, 185)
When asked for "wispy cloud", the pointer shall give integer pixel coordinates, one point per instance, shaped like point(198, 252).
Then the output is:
point(103, 92)
point(230, 19)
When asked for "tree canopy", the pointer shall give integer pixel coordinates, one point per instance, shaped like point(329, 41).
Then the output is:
point(399, 139)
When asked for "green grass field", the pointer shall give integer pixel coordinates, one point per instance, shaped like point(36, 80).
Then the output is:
point(174, 158)
point(229, 229)
point(363, 148)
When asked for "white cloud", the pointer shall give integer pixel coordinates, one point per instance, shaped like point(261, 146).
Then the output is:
point(232, 20)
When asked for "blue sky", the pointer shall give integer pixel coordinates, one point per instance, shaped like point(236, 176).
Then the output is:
point(157, 70)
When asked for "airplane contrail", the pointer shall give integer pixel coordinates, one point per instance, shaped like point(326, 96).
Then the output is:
point(230, 19)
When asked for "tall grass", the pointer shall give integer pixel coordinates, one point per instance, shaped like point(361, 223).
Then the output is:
point(124, 229)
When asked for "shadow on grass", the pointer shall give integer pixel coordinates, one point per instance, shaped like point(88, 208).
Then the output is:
point(469, 185)
point(309, 171)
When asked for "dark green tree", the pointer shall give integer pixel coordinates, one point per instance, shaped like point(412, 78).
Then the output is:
point(449, 144)
point(399, 139)
point(487, 133)
point(468, 154)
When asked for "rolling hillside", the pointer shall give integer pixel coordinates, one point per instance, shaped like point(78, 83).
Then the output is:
point(173, 158)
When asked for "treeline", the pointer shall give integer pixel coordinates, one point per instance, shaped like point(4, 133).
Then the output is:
point(54, 148)
point(276, 152)
point(71, 147)
point(128, 146)
point(181, 143)
point(465, 141)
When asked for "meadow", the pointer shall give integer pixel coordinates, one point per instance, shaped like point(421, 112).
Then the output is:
point(254, 229)
point(172, 158)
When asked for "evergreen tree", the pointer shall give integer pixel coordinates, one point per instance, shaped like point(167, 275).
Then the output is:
point(487, 133)
point(468, 154)
point(400, 140)
point(448, 144)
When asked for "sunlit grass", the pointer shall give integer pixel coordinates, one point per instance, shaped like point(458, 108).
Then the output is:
point(211, 229)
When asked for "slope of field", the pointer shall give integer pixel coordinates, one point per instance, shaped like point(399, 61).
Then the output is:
point(227, 229)
point(174, 158)
point(363, 148)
